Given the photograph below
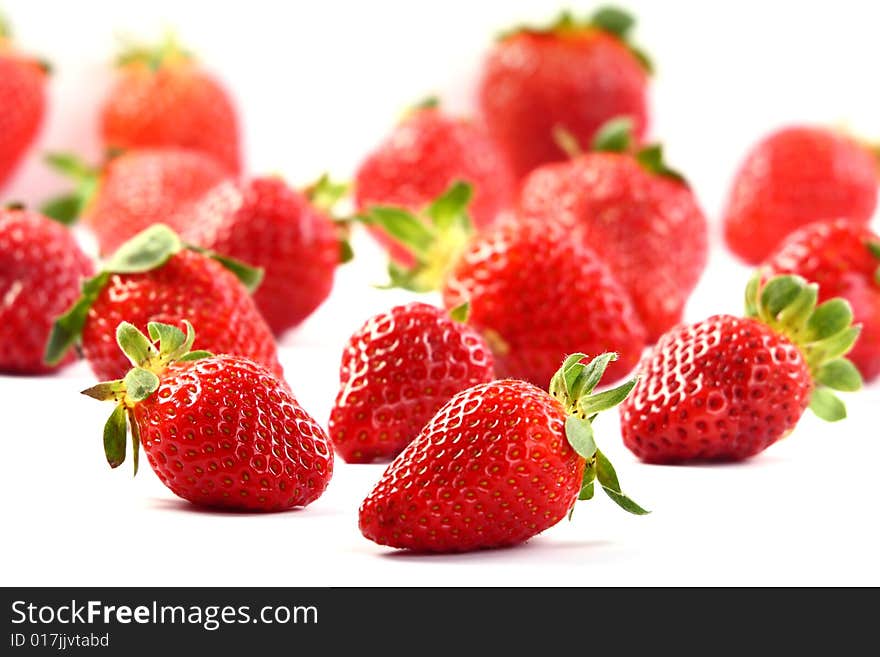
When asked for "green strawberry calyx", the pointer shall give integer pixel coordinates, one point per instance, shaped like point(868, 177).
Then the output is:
point(325, 194)
point(873, 247)
point(68, 207)
point(616, 136)
point(168, 52)
point(573, 386)
point(824, 332)
point(149, 358)
point(148, 250)
point(436, 238)
point(611, 20)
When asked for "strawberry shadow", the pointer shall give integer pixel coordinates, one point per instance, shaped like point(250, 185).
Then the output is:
point(182, 506)
point(531, 548)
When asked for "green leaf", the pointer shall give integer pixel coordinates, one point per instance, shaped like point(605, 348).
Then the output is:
point(114, 437)
point(778, 293)
point(643, 58)
point(134, 344)
point(448, 208)
point(431, 102)
point(874, 248)
point(615, 136)
point(828, 349)
point(625, 502)
point(71, 166)
point(586, 492)
point(149, 249)
point(826, 405)
point(613, 20)
point(68, 328)
point(796, 314)
point(571, 375)
point(324, 194)
point(587, 480)
point(651, 159)
point(579, 433)
point(64, 209)
point(604, 400)
point(198, 354)
point(135, 441)
point(250, 277)
point(346, 253)
point(751, 301)
point(593, 373)
point(840, 374)
point(828, 319)
point(169, 337)
point(460, 312)
point(140, 384)
point(403, 227)
point(607, 477)
point(106, 390)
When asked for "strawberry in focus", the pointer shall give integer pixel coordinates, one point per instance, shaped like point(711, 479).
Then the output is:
point(534, 291)
point(574, 75)
point(162, 97)
point(219, 431)
point(641, 215)
point(154, 278)
point(499, 463)
point(397, 370)
point(426, 152)
point(843, 258)
point(23, 90)
point(41, 268)
point(726, 388)
point(133, 191)
point(287, 233)
point(794, 177)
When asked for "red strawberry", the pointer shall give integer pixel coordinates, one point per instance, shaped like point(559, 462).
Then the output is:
point(219, 431)
point(134, 191)
point(397, 370)
point(153, 278)
point(649, 225)
point(23, 90)
point(162, 97)
point(534, 291)
point(727, 388)
point(270, 225)
point(794, 177)
point(843, 257)
point(499, 463)
point(41, 268)
point(426, 153)
point(573, 75)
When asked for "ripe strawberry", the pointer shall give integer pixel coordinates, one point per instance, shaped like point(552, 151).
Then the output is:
point(163, 98)
point(134, 191)
point(153, 278)
point(499, 463)
point(727, 388)
point(426, 153)
point(270, 225)
point(219, 431)
point(652, 233)
point(23, 90)
point(794, 177)
point(843, 258)
point(574, 75)
point(531, 309)
point(397, 370)
point(41, 268)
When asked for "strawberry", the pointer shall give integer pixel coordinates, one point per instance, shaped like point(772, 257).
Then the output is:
point(843, 258)
point(426, 153)
point(270, 225)
point(162, 97)
point(573, 74)
point(652, 232)
point(151, 278)
point(793, 177)
point(23, 90)
point(499, 463)
point(41, 268)
point(726, 388)
point(219, 431)
point(397, 370)
point(530, 309)
point(133, 191)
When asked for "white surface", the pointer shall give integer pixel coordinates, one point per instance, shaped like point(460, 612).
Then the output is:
point(318, 84)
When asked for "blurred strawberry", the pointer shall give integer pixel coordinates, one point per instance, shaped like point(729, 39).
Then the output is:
point(23, 90)
point(162, 97)
point(574, 75)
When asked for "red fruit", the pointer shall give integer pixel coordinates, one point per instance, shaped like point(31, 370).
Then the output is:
point(41, 267)
point(153, 278)
point(397, 370)
point(499, 463)
point(219, 431)
point(163, 98)
point(23, 90)
point(571, 75)
point(423, 156)
point(843, 257)
point(269, 225)
point(792, 178)
point(727, 388)
point(646, 225)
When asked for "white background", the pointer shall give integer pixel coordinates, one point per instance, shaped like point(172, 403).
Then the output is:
point(317, 85)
